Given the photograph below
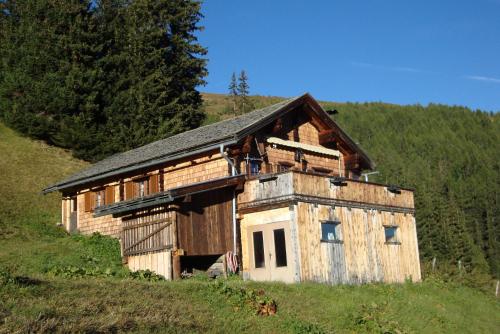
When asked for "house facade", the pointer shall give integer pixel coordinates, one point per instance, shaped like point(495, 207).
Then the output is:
point(279, 187)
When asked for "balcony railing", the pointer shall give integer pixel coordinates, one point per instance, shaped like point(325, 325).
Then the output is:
point(314, 187)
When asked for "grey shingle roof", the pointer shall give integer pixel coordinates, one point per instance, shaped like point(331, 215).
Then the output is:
point(171, 148)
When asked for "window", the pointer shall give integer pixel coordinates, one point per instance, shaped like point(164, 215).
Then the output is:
point(99, 198)
point(284, 166)
point(391, 235)
point(141, 188)
point(258, 250)
point(280, 247)
point(330, 231)
point(73, 204)
point(254, 167)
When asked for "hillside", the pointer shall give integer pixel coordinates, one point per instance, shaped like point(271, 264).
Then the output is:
point(51, 281)
point(450, 155)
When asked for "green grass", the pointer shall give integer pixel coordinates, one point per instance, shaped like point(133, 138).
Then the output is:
point(34, 298)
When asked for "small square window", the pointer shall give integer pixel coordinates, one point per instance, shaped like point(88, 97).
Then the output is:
point(330, 231)
point(254, 167)
point(391, 234)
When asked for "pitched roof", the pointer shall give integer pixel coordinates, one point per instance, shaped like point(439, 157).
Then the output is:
point(198, 140)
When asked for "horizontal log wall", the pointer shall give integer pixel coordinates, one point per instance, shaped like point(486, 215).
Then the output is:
point(159, 262)
point(363, 255)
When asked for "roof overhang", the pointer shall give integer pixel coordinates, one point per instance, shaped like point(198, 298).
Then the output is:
point(142, 165)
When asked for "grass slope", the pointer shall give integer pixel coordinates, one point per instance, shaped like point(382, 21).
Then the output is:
point(32, 246)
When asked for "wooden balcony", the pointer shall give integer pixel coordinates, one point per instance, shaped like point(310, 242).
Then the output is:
point(292, 186)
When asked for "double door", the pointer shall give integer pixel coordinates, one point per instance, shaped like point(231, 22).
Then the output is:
point(270, 253)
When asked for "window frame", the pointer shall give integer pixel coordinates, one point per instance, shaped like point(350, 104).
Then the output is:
point(395, 240)
point(336, 225)
point(99, 199)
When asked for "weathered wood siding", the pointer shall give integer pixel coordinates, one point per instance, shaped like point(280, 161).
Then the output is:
point(158, 262)
point(363, 255)
point(148, 231)
point(88, 224)
point(205, 223)
point(195, 169)
point(317, 186)
point(276, 155)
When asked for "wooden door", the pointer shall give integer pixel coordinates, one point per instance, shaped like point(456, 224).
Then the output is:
point(271, 257)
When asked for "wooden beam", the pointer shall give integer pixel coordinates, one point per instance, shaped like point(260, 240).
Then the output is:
point(176, 266)
point(247, 145)
point(147, 236)
point(163, 220)
point(353, 161)
point(278, 126)
point(327, 136)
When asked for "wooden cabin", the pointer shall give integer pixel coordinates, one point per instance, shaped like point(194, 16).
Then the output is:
point(279, 187)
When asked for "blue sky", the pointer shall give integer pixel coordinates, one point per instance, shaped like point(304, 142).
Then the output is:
point(401, 52)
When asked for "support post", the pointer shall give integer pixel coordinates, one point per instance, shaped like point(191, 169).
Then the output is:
point(176, 266)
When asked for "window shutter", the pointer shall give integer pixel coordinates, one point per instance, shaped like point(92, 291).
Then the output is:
point(88, 201)
point(129, 190)
point(153, 184)
point(161, 179)
point(93, 198)
point(109, 197)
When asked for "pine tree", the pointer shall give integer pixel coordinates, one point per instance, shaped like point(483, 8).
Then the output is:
point(155, 93)
point(100, 77)
point(243, 91)
point(233, 93)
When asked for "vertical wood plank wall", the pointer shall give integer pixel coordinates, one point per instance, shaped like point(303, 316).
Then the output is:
point(363, 256)
point(205, 223)
point(159, 262)
point(146, 226)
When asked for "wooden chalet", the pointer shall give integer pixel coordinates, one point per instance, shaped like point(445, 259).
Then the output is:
point(279, 186)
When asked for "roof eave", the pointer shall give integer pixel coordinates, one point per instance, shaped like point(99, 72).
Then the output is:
point(149, 163)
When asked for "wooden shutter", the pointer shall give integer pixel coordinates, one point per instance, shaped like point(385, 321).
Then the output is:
point(129, 190)
point(93, 197)
point(161, 181)
point(109, 196)
point(153, 184)
point(88, 201)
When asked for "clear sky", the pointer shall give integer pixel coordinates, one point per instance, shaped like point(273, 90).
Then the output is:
point(396, 51)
